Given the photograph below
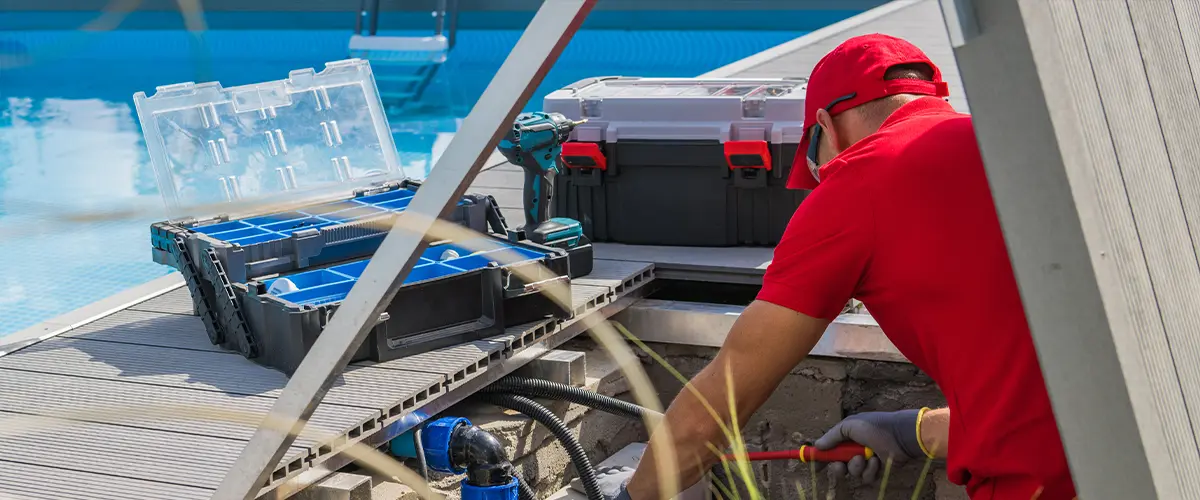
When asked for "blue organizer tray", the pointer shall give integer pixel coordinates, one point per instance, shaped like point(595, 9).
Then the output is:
point(310, 236)
point(278, 226)
point(331, 284)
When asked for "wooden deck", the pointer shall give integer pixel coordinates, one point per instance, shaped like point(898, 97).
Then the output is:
point(132, 401)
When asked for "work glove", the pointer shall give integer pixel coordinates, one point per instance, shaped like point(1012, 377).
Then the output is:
point(612, 480)
point(888, 434)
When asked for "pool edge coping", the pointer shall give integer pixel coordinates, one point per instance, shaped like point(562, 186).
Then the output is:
point(112, 304)
point(754, 60)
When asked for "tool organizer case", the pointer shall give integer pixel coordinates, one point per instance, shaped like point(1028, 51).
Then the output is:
point(446, 299)
point(309, 166)
point(308, 236)
point(684, 161)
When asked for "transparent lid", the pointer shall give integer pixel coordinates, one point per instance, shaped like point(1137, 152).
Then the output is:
point(305, 134)
point(650, 87)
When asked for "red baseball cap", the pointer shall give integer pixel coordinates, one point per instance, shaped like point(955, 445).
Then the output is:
point(851, 75)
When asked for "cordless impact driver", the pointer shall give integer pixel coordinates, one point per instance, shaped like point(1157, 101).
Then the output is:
point(534, 143)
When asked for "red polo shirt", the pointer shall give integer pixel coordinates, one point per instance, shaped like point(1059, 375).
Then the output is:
point(904, 222)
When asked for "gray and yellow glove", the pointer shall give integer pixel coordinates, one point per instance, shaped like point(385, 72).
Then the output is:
point(894, 435)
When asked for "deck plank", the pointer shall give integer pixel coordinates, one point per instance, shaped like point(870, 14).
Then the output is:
point(38, 482)
point(211, 371)
point(147, 328)
point(748, 259)
point(177, 301)
point(169, 409)
point(145, 454)
point(611, 273)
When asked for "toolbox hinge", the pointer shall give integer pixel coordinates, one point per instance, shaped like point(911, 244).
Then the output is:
point(229, 313)
point(202, 299)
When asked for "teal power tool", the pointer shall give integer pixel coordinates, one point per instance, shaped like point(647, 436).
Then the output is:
point(534, 143)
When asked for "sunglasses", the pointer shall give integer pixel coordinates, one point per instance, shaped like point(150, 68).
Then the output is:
point(814, 141)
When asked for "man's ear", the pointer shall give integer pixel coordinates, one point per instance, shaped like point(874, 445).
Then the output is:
point(829, 133)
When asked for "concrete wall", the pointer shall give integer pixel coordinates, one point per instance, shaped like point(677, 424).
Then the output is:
point(817, 394)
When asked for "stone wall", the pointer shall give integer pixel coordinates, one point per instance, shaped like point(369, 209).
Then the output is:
point(814, 397)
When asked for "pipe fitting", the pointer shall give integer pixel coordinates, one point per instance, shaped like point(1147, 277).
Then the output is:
point(452, 445)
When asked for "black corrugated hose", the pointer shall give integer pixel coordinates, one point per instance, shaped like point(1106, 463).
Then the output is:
point(544, 416)
point(524, 492)
point(578, 395)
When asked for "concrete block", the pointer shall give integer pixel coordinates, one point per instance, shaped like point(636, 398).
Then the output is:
point(561, 366)
point(339, 486)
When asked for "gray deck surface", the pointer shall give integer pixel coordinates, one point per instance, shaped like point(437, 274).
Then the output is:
point(138, 404)
point(180, 438)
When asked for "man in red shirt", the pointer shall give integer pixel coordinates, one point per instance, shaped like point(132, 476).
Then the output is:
point(901, 218)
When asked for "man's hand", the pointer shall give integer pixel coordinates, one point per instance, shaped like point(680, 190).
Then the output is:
point(894, 435)
point(765, 343)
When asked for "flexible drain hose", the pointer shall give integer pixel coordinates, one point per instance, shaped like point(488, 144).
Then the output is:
point(524, 491)
point(552, 390)
point(544, 416)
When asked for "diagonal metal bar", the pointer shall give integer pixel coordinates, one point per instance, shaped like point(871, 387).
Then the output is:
point(523, 70)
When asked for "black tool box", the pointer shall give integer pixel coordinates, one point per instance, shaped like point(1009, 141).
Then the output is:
point(456, 293)
point(687, 162)
point(267, 281)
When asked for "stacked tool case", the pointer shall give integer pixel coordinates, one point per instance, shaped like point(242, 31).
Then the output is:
point(456, 293)
point(689, 161)
point(266, 282)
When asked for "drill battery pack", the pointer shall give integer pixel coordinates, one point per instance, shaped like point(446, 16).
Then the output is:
point(680, 161)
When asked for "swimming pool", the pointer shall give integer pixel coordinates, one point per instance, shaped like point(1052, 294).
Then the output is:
point(70, 143)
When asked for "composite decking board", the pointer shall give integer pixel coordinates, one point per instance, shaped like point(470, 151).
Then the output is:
point(38, 482)
point(170, 409)
point(738, 259)
point(447, 362)
point(204, 370)
point(585, 298)
point(145, 454)
point(147, 328)
point(512, 334)
point(177, 301)
point(611, 273)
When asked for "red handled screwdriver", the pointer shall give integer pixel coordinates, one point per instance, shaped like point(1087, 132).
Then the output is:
point(808, 453)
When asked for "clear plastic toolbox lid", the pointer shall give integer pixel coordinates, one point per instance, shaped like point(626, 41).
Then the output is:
point(302, 135)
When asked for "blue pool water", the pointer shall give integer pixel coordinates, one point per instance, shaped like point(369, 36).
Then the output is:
point(71, 146)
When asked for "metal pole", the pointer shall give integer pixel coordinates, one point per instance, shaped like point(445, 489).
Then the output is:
point(440, 15)
point(374, 16)
point(536, 51)
point(453, 24)
point(358, 20)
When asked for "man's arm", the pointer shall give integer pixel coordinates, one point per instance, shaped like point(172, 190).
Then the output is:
point(763, 345)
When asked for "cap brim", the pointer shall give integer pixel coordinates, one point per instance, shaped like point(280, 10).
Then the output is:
point(800, 177)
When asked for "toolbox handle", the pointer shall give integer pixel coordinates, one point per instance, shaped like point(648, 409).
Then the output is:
point(748, 154)
point(584, 155)
point(535, 287)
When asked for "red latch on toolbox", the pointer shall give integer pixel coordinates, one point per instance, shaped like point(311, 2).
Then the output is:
point(584, 155)
point(748, 154)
